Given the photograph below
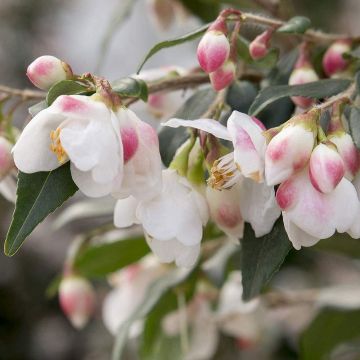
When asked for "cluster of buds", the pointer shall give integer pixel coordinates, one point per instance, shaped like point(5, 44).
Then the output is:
point(217, 55)
point(303, 73)
point(47, 70)
point(314, 171)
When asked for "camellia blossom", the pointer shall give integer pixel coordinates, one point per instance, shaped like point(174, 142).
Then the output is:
point(173, 219)
point(47, 70)
point(290, 149)
point(310, 215)
point(77, 299)
point(82, 130)
point(130, 288)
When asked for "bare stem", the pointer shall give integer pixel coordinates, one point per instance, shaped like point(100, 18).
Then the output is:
point(25, 94)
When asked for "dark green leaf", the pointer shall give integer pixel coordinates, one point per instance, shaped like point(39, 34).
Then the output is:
point(100, 260)
point(155, 292)
point(241, 95)
point(296, 25)
point(131, 87)
point(354, 125)
point(38, 195)
point(53, 287)
point(330, 328)
point(262, 257)
point(353, 55)
point(357, 82)
point(65, 87)
point(206, 10)
point(317, 89)
point(33, 110)
point(169, 43)
point(169, 138)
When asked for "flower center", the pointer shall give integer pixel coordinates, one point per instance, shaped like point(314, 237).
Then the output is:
point(56, 146)
point(224, 173)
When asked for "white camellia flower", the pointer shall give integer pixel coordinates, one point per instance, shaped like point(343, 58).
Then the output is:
point(130, 288)
point(76, 128)
point(173, 219)
point(310, 215)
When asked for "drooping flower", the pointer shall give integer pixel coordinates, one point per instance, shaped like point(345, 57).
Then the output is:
point(310, 215)
point(290, 149)
point(214, 47)
point(82, 130)
point(333, 61)
point(47, 70)
point(77, 300)
point(130, 286)
point(259, 47)
point(173, 219)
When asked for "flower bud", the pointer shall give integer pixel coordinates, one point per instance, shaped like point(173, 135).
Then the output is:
point(302, 75)
point(291, 148)
point(259, 47)
point(47, 70)
point(333, 61)
point(6, 159)
point(224, 76)
point(77, 300)
point(214, 47)
point(326, 168)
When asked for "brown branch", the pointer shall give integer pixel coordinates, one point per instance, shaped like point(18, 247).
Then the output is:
point(25, 94)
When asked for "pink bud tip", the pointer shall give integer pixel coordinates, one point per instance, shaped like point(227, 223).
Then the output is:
point(260, 45)
point(326, 168)
point(47, 70)
point(333, 61)
point(224, 76)
point(213, 51)
point(77, 300)
point(6, 159)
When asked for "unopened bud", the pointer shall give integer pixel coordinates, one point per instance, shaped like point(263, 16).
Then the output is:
point(6, 159)
point(259, 47)
point(77, 300)
point(47, 70)
point(333, 61)
point(214, 47)
point(326, 168)
point(224, 76)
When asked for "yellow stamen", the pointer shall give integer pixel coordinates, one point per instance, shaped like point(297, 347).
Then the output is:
point(56, 146)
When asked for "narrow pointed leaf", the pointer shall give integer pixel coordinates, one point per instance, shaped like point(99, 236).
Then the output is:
point(130, 87)
point(296, 25)
point(64, 87)
point(38, 195)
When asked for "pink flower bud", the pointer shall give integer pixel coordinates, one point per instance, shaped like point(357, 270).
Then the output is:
point(214, 47)
point(259, 47)
point(302, 75)
point(348, 152)
point(333, 61)
point(326, 168)
point(77, 300)
point(290, 149)
point(6, 159)
point(224, 76)
point(47, 70)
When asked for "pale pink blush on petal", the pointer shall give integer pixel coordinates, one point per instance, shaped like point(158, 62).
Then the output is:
point(277, 151)
point(228, 216)
point(287, 194)
point(130, 142)
point(70, 104)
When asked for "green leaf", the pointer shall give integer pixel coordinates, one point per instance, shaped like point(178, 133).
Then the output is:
point(296, 25)
point(170, 139)
point(330, 328)
point(174, 42)
point(317, 89)
point(38, 195)
point(354, 125)
point(64, 87)
point(130, 87)
point(33, 110)
point(241, 95)
point(155, 292)
point(262, 257)
point(100, 260)
point(353, 55)
point(206, 10)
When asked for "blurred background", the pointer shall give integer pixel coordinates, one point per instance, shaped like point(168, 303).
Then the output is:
point(77, 31)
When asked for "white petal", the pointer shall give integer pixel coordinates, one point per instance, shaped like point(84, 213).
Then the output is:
point(297, 236)
point(258, 206)
point(125, 212)
point(87, 185)
point(208, 125)
point(32, 150)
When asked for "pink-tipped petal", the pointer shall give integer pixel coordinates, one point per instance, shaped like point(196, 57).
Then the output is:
point(223, 76)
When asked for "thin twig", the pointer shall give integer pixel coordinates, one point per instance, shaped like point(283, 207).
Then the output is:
point(25, 94)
